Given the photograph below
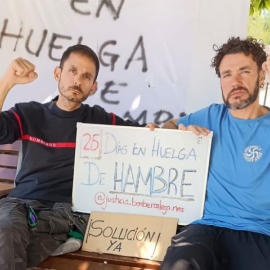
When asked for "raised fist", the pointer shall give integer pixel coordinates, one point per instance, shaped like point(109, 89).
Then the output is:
point(20, 71)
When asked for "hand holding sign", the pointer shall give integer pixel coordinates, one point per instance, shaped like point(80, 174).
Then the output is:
point(197, 130)
point(152, 126)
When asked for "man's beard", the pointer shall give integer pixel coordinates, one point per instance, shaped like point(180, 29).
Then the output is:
point(72, 98)
point(241, 104)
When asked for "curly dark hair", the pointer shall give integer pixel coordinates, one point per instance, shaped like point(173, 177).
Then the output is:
point(236, 45)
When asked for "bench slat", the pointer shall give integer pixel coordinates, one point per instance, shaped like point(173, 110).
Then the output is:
point(5, 189)
point(7, 174)
point(12, 148)
point(113, 259)
point(8, 161)
point(61, 263)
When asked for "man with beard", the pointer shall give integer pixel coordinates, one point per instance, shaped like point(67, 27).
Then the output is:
point(36, 217)
point(234, 232)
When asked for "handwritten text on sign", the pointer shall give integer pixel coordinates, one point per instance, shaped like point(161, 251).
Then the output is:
point(134, 170)
point(129, 235)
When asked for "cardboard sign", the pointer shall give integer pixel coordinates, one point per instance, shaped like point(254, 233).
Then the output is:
point(129, 235)
point(138, 171)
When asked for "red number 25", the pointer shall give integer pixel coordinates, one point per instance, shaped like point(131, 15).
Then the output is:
point(91, 144)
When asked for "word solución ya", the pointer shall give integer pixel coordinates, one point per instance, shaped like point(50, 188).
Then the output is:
point(98, 228)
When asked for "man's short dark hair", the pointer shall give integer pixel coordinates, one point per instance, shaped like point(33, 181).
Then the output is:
point(236, 45)
point(84, 50)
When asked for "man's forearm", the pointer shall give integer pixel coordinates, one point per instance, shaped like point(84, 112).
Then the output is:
point(4, 89)
point(171, 124)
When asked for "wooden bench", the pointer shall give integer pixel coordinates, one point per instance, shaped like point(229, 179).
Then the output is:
point(79, 260)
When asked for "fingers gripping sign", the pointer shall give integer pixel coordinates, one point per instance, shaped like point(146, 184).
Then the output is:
point(20, 71)
point(197, 130)
point(152, 126)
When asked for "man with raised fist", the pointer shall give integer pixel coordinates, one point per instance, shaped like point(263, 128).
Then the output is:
point(36, 216)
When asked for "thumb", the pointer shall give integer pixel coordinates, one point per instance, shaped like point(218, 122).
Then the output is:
point(182, 127)
point(32, 76)
point(28, 78)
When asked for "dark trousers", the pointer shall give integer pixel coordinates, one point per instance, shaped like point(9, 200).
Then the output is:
point(204, 247)
point(21, 245)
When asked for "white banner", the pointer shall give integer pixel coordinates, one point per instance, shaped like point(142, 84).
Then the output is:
point(155, 55)
point(138, 171)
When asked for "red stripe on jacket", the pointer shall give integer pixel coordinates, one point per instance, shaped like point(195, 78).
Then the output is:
point(19, 122)
point(40, 141)
point(113, 119)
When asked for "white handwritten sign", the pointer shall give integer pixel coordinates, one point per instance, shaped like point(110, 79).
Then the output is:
point(135, 170)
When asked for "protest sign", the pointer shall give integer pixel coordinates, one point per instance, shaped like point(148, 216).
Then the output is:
point(129, 235)
point(135, 170)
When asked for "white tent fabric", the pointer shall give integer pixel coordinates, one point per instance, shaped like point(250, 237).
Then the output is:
point(155, 54)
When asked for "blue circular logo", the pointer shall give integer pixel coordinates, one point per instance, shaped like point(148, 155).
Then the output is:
point(252, 153)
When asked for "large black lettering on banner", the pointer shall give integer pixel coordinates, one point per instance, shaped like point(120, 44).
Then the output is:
point(111, 90)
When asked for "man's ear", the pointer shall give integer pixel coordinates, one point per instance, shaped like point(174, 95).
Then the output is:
point(57, 73)
point(261, 77)
point(93, 88)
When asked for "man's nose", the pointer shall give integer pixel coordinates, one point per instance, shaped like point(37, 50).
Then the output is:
point(77, 80)
point(236, 80)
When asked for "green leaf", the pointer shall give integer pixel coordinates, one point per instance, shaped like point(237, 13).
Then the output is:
point(251, 11)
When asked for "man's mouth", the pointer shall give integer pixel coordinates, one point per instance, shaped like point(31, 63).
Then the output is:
point(237, 92)
point(76, 90)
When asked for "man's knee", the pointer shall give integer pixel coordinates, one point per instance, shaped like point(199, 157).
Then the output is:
point(185, 257)
point(176, 265)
